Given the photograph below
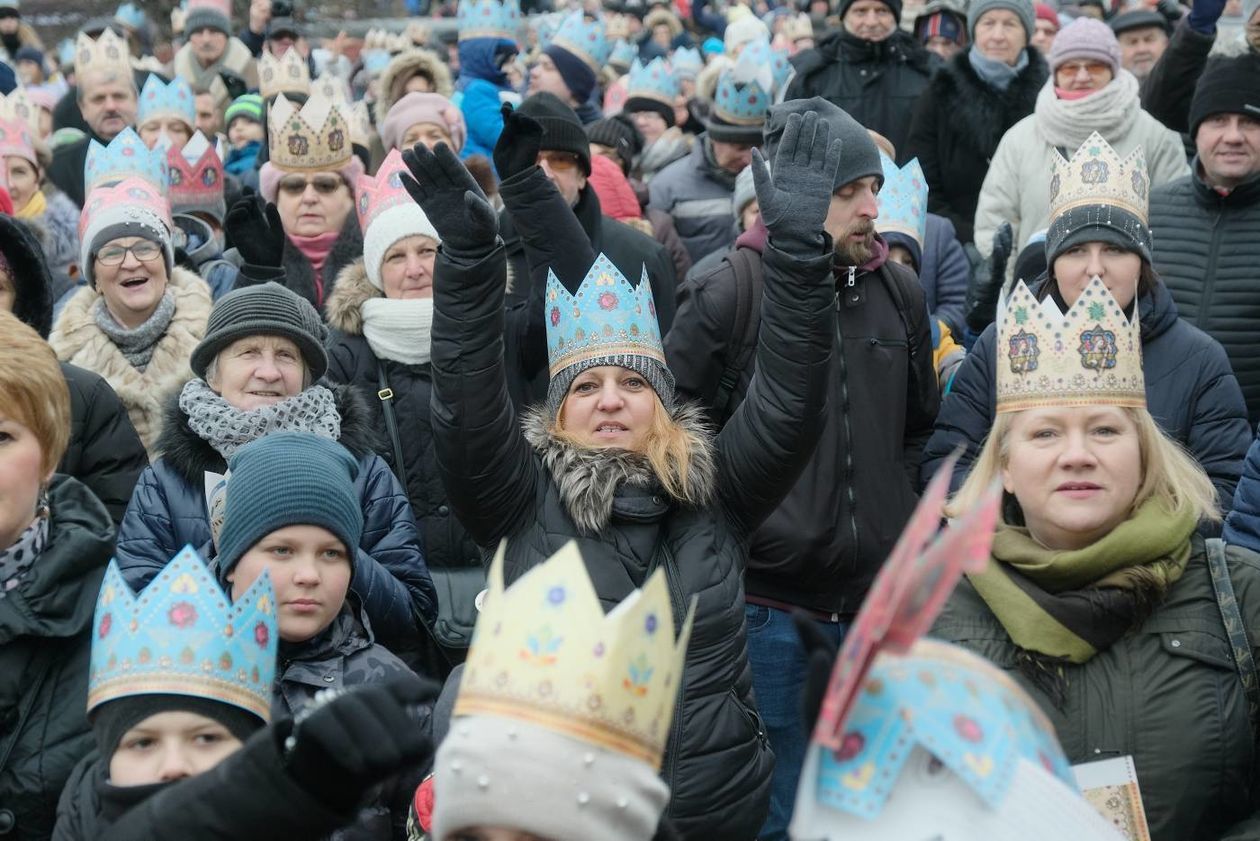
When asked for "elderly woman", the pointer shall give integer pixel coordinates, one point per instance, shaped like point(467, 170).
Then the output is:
point(166, 109)
point(258, 370)
point(37, 201)
point(55, 540)
point(427, 118)
point(139, 317)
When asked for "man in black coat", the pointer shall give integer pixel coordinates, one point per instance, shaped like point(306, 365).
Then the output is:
point(820, 549)
point(108, 100)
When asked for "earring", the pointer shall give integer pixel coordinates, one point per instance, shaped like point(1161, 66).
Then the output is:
point(41, 503)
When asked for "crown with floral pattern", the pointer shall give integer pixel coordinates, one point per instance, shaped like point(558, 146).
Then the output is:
point(158, 100)
point(182, 635)
point(196, 173)
point(1097, 187)
point(18, 105)
point(331, 86)
point(584, 36)
point(109, 52)
point(125, 156)
point(903, 200)
point(16, 139)
point(488, 19)
point(745, 90)
point(131, 199)
point(653, 81)
point(1090, 355)
point(317, 137)
point(287, 74)
point(687, 63)
point(544, 652)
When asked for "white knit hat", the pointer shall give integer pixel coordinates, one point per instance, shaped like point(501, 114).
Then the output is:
point(396, 223)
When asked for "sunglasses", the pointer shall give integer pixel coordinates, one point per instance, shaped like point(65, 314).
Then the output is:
point(113, 255)
point(558, 161)
point(295, 185)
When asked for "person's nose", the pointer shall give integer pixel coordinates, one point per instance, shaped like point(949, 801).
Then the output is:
point(869, 206)
point(305, 573)
point(174, 765)
point(1095, 264)
point(610, 399)
point(310, 195)
point(1077, 454)
point(267, 370)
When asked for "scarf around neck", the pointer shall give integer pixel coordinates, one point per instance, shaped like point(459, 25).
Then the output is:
point(18, 558)
point(1071, 604)
point(1067, 123)
point(994, 73)
point(226, 428)
point(35, 206)
point(316, 249)
point(399, 329)
point(137, 344)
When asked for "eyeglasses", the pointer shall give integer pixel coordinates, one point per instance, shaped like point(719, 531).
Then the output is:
point(1093, 68)
point(558, 161)
point(144, 251)
point(325, 185)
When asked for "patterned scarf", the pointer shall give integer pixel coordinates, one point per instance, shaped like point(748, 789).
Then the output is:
point(227, 428)
point(18, 558)
point(137, 344)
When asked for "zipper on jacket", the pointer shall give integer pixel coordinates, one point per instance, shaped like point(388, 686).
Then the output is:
point(679, 605)
point(843, 372)
point(1209, 276)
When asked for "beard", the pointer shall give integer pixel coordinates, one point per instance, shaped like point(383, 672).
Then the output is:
point(850, 252)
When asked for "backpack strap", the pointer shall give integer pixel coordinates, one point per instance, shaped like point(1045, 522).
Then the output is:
point(1239, 640)
point(386, 395)
point(749, 280)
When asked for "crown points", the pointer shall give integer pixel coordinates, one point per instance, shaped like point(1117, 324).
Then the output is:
point(158, 100)
point(903, 200)
point(287, 74)
point(584, 36)
point(488, 19)
point(315, 137)
point(653, 81)
point(1097, 175)
point(745, 90)
point(108, 53)
point(125, 156)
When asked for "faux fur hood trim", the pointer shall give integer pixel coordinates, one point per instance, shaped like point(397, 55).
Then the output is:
point(588, 479)
point(403, 66)
point(344, 307)
point(980, 110)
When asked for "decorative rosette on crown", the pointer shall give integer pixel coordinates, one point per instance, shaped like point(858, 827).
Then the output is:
point(16, 139)
point(182, 635)
point(903, 200)
point(544, 652)
point(19, 106)
point(384, 198)
point(745, 90)
point(622, 55)
point(653, 81)
point(108, 53)
point(686, 63)
point(131, 199)
point(158, 100)
point(1092, 355)
point(196, 173)
point(488, 19)
point(317, 137)
point(287, 74)
point(1098, 187)
point(125, 156)
point(607, 317)
point(583, 36)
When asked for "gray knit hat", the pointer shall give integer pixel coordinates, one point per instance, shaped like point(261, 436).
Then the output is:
point(207, 17)
point(1022, 8)
point(859, 156)
point(268, 309)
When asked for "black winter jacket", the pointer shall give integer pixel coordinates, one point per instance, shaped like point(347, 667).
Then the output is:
point(876, 82)
point(1207, 250)
point(1166, 92)
point(296, 272)
point(539, 493)
point(66, 168)
point(957, 124)
point(45, 641)
point(1190, 391)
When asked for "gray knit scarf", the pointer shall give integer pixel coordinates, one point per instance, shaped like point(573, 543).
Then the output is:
point(227, 428)
point(137, 344)
point(18, 558)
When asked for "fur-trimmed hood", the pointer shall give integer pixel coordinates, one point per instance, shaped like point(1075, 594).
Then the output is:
point(984, 111)
point(20, 243)
point(344, 307)
point(589, 479)
point(404, 66)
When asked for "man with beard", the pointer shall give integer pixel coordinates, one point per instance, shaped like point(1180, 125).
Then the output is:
point(818, 552)
point(1143, 37)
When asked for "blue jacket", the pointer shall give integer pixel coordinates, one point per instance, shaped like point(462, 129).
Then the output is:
point(168, 510)
point(1242, 526)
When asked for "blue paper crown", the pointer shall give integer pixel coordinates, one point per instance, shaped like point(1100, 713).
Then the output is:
point(488, 19)
point(687, 63)
point(623, 54)
point(653, 81)
point(763, 54)
point(744, 92)
point(375, 61)
point(182, 635)
point(125, 156)
point(131, 15)
point(903, 200)
point(584, 37)
point(166, 100)
point(607, 317)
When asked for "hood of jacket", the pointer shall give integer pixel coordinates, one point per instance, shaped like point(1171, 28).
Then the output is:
point(344, 307)
point(476, 61)
point(1156, 308)
point(199, 243)
point(589, 479)
point(982, 111)
point(898, 48)
point(33, 303)
point(405, 65)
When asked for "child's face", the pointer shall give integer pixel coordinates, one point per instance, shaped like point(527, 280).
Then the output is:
point(244, 130)
point(310, 570)
point(170, 746)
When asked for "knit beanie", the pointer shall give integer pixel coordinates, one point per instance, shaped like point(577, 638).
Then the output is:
point(859, 157)
point(488, 773)
point(201, 16)
point(249, 106)
point(115, 222)
point(894, 5)
point(267, 309)
point(562, 130)
point(745, 191)
point(1049, 15)
point(288, 479)
point(1023, 9)
point(617, 132)
point(740, 32)
point(942, 23)
point(1227, 86)
point(112, 720)
point(577, 74)
point(417, 107)
point(398, 222)
point(1085, 39)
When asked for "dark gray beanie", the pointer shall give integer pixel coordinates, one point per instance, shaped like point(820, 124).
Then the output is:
point(859, 157)
point(268, 309)
point(112, 720)
point(1022, 8)
point(657, 375)
point(206, 18)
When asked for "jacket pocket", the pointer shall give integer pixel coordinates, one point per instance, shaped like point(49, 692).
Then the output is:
point(751, 716)
point(1201, 646)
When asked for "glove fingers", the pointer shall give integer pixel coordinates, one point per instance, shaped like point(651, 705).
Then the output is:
point(787, 145)
point(273, 217)
point(412, 186)
point(762, 185)
point(480, 213)
point(805, 141)
point(831, 163)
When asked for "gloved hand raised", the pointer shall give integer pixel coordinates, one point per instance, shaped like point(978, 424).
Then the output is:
point(256, 231)
point(1204, 14)
point(519, 143)
point(986, 282)
point(450, 197)
point(795, 201)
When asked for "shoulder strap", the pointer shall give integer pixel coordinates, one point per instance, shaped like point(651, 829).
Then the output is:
point(386, 396)
point(1239, 641)
point(748, 287)
point(899, 300)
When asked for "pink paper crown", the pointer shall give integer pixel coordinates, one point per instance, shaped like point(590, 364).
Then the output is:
point(16, 140)
point(199, 178)
point(223, 7)
point(379, 194)
point(138, 196)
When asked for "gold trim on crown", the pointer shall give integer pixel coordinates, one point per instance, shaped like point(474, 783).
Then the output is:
point(315, 138)
point(287, 74)
point(1096, 174)
point(108, 52)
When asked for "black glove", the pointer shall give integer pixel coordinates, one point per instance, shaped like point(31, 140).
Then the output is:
point(1204, 14)
point(986, 282)
point(234, 83)
point(820, 658)
point(519, 143)
point(450, 197)
point(346, 745)
point(795, 201)
point(256, 232)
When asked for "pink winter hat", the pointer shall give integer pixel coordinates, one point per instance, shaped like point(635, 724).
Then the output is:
point(1086, 39)
point(417, 107)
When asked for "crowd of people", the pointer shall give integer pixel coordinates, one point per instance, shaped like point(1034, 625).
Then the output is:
point(634, 420)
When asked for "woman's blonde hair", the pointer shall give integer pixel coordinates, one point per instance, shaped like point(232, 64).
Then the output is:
point(33, 391)
point(1169, 473)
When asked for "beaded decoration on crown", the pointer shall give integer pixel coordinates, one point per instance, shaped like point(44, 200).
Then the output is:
point(16, 139)
point(126, 155)
point(653, 81)
point(488, 19)
point(287, 74)
point(158, 100)
point(544, 652)
point(315, 137)
point(19, 106)
point(1097, 175)
point(1092, 355)
point(584, 36)
point(903, 200)
point(182, 635)
point(136, 199)
point(687, 63)
point(106, 53)
point(607, 317)
point(745, 90)
point(376, 194)
point(196, 173)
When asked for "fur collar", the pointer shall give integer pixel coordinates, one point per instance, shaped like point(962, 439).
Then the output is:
point(344, 307)
point(982, 112)
point(588, 480)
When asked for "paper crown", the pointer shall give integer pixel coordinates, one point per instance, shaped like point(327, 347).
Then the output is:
point(653, 81)
point(315, 137)
point(287, 74)
point(331, 86)
point(745, 90)
point(158, 100)
point(182, 635)
point(383, 40)
point(903, 200)
point(488, 19)
point(106, 53)
point(583, 36)
point(1098, 187)
point(360, 124)
point(130, 200)
point(129, 14)
point(19, 106)
point(16, 139)
point(623, 54)
point(687, 63)
point(1091, 355)
point(196, 173)
point(544, 652)
point(607, 317)
point(379, 193)
point(125, 156)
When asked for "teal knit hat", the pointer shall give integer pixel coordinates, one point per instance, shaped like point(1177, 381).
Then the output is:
point(288, 479)
point(248, 105)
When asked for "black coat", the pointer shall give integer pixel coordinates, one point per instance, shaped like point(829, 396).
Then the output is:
point(1166, 92)
point(66, 169)
point(876, 82)
point(297, 273)
point(957, 124)
point(45, 641)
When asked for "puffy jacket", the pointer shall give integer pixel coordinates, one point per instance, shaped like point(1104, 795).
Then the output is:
point(1168, 694)
point(1242, 526)
point(45, 641)
point(1207, 248)
point(957, 124)
point(297, 273)
point(876, 82)
point(1190, 391)
point(168, 511)
point(696, 192)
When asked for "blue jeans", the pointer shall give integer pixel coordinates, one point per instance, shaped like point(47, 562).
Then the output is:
point(778, 669)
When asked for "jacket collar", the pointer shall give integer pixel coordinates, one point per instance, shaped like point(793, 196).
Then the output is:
point(1244, 195)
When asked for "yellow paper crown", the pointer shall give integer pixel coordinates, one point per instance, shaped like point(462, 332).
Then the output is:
point(287, 74)
point(1097, 175)
point(1092, 355)
point(314, 138)
point(544, 652)
point(108, 52)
